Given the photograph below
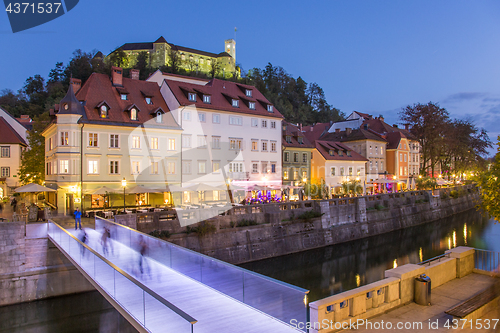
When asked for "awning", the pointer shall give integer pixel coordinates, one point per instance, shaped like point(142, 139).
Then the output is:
point(33, 188)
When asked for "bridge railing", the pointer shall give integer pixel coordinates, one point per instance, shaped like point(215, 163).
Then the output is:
point(486, 260)
point(275, 298)
point(146, 307)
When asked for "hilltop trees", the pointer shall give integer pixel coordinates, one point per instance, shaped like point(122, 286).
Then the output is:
point(489, 186)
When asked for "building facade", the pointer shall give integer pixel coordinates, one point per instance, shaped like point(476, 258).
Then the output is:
point(297, 152)
point(107, 132)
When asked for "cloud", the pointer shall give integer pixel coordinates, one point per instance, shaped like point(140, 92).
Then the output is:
point(463, 96)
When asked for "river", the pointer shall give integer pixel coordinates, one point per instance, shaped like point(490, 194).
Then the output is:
point(325, 271)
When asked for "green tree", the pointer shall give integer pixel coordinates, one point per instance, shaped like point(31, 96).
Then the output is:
point(119, 58)
point(489, 186)
point(174, 60)
point(32, 168)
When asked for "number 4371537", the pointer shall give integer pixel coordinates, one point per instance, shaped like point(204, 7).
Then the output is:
point(26, 7)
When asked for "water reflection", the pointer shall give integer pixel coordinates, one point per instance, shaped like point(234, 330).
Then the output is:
point(85, 312)
point(341, 267)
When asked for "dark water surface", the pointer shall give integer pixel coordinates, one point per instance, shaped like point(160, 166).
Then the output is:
point(324, 272)
point(333, 269)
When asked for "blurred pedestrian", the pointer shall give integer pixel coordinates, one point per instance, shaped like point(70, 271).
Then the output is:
point(104, 241)
point(84, 238)
point(78, 219)
point(143, 247)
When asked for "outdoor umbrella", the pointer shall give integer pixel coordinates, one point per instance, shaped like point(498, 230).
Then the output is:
point(201, 187)
point(141, 189)
point(408, 184)
point(33, 188)
point(102, 191)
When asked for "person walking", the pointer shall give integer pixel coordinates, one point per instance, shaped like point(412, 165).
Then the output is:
point(84, 238)
point(104, 242)
point(78, 219)
point(13, 203)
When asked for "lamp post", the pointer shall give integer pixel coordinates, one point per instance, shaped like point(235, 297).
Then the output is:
point(124, 184)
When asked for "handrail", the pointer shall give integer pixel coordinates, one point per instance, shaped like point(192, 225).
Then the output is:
point(291, 286)
point(428, 261)
point(159, 298)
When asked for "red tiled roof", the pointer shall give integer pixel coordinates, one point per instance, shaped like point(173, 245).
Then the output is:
point(324, 148)
point(294, 133)
point(393, 139)
point(99, 90)
point(381, 127)
point(9, 135)
point(314, 132)
point(221, 94)
point(356, 134)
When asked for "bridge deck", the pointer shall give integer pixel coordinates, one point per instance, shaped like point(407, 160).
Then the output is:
point(214, 311)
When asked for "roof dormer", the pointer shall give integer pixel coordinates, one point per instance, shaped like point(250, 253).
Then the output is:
point(133, 111)
point(103, 109)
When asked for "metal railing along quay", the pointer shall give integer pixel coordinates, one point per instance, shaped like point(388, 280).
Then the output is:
point(278, 299)
point(486, 260)
point(148, 309)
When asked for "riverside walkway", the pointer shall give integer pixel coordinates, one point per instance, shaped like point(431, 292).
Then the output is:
point(178, 290)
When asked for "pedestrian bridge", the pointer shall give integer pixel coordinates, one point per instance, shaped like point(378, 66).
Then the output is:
point(179, 290)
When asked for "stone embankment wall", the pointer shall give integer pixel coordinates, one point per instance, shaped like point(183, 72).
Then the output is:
point(33, 268)
point(279, 231)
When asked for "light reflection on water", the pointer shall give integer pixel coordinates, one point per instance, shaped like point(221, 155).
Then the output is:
point(333, 269)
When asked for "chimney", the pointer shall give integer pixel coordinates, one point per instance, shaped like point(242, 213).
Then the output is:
point(311, 128)
point(347, 131)
point(337, 130)
point(116, 76)
point(300, 128)
point(134, 74)
point(76, 84)
point(407, 127)
point(395, 125)
point(381, 117)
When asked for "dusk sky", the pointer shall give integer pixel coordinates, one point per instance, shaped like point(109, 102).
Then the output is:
point(368, 56)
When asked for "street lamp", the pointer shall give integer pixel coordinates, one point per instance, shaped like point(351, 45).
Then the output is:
point(124, 184)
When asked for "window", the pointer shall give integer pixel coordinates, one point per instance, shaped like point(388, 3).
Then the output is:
point(47, 169)
point(49, 145)
point(376, 150)
point(133, 114)
point(154, 168)
point(381, 165)
point(5, 171)
point(270, 108)
point(342, 171)
point(136, 142)
point(104, 111)
point(216, 166)
point(136, 167)
point(202, 117)
point(159, 117)
point(113, 167)
point(286, 158)
point(92, 140)
point(216, 142)
point(331, 153)
point(295, 157)
point(93, 167)
point(350, 171)
point(304, 175)
point(341, 153)
point(248, 93)
point(235, 167)
point(5, 152)
point(186, 167)
point(296, 174)
point(400, 157)
point(376, 166)
point(251, 105)
point(123, 97)
point(113, 141)
point(255, 122)
point(264, 145)
point(255, 145)
point(235, 144)
point(264, 123)
point(64, 166)
point(332, 171)
point(285, 174)
point(235, 103)
point(154, 143)
point(233, 120)
point(371, 150)
point(207, 99)
point(202, 167)
point(300, 140)
point(186, 141)
point(273, 146)
point(273, 167)
point(304, 157)
point(171, 168)
point(192, 97)
point(358, 172)
point(186, 116)
point(371, 165)
point(64, 139)
point(400, 171)
point(288, 139)
point(216, 118)
point(406, 171)
point(404, 156)
point(148, 101)
point(264, 168)
point(202, 141)
point(273, 124)
point(255, 167)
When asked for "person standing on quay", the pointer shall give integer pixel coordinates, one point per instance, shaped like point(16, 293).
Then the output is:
point(78, 219)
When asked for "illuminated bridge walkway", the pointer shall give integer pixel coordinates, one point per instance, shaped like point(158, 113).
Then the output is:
point(179, 290)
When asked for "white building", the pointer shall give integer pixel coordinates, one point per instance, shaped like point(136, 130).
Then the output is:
point(230, 131)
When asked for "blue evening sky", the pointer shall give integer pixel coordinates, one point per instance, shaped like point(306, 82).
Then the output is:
point(369, 56)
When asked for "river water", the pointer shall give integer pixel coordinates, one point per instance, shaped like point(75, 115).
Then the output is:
point(325, 271)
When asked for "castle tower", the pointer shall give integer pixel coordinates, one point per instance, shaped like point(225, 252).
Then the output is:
point(230, 47)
